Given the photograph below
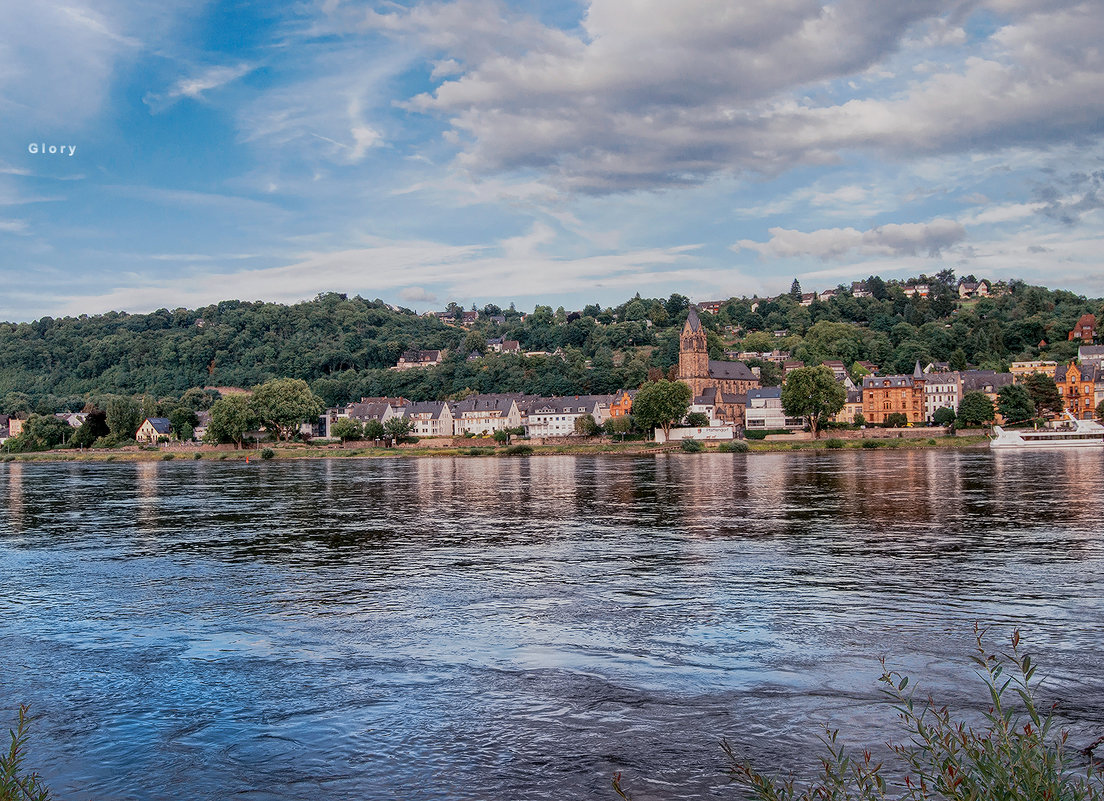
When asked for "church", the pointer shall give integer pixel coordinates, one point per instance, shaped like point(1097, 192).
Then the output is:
point(722, 385)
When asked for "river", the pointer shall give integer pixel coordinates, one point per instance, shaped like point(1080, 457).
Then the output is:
point(498, 629)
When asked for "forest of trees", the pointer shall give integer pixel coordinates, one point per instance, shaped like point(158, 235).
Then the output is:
point(342, 346)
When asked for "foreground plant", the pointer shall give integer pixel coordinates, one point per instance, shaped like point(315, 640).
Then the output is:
point(15, 783)
point(1015, 754)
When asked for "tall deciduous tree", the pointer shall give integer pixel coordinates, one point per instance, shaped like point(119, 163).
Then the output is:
point(1015, 404)
point(659, 404)
point(284, 403)
point(231, 417)
point(814, 394)
point(122, 418)
point(975, 409)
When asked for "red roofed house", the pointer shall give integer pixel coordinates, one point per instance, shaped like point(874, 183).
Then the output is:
point(1085, 330)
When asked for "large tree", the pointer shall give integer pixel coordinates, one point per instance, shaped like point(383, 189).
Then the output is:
point(975, 409)
point(122, 418)
point(814, 394)
point(41, 432)
point(1043, 393)
point(284, 403)
point(1015, 405)
point(659, 404)
point(231, 417)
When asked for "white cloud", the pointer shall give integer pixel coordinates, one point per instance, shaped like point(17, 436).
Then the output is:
point(414, 294)
point(196, 86)
point(907, 239)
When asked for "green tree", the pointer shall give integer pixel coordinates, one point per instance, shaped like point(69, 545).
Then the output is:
point(620, 425)
point(1100, 411)
point(813, 394)
point(398, 428)
point(373, 429)
point(658, 404)
point(231, 417)
point(40, 433)
point(697, 419)
point(795, 291)
point(1043, 393)
point(587, 426)
point(944, 416)
point(183, 421)
point(93, 427)
point(122, 418)
point(896, 420)
point(860, 419)
point(975, 409)
point(1014, 404)
point(282, 404)
point(346, 428)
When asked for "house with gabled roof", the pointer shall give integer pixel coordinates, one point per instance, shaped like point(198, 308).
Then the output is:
point(428, 418)
point(152, 429)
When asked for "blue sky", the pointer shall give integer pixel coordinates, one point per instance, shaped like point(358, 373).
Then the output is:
point(562, 153)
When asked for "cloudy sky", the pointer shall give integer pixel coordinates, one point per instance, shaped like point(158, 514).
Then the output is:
point(556, 152)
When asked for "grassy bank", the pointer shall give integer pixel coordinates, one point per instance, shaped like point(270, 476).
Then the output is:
point(481, 449)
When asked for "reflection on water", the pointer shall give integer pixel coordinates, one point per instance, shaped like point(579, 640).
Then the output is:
point(505, 628)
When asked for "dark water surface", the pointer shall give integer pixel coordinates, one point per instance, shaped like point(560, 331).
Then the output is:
point(521, 628)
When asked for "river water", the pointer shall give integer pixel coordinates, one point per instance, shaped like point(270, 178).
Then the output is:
point(526, 627)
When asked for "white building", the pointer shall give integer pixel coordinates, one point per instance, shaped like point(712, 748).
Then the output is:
point(764, 411)
point(941, 391)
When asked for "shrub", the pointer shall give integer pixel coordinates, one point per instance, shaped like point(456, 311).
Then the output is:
point(735, 446)
point(168, 457)
point(519, 450)
point(267, 453)
point(197, 456)
point(691, 446)
point(105, 442)
point(833, 444)
point(16, 783)
point(222, 457)
point(931, 442)
point(871, 443)
point(1015, 754)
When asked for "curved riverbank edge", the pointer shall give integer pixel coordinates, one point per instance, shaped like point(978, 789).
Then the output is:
point(480, 450)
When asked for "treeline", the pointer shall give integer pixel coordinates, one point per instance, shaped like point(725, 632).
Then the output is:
point(342, 346)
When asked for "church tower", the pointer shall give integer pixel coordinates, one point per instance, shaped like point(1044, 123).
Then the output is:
point(693, 354)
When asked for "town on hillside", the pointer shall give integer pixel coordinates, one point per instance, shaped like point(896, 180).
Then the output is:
point(741, 395)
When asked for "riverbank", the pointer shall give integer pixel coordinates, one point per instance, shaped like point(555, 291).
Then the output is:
point(478, 449)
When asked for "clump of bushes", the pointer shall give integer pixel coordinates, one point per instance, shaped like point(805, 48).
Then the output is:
point(1015, 753)
point(691, 446)
point(519, 450)
point(872, 443)
point(197, 456)
point(267, 453)
point(735, 446)
point(478, 451)
point(834, 444)
point(168, 457)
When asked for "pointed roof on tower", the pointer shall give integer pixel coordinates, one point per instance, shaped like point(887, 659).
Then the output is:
point(917, 372)
point(693, 321)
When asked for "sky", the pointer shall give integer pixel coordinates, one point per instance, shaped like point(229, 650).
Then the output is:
point(174, 154)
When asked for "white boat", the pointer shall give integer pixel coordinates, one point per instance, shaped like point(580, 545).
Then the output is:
point(1068, 433)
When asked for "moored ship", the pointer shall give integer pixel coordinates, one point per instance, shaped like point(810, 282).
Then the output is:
point(1069, 433)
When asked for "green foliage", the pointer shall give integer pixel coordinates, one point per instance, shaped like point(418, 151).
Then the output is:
point(346, 428)
point(1016, 754)
point(267, 453)
point(834, 444)
point(870, 444)
point(167, 457)
point(1100, 411)
point(975, 409)
point(860, 419)
point(197, 456)
point(658, 404)
point(40, 433)
point(123, 418)
point(735, 446)
point(814, 394)
point(398, 428)
point(231, 417)
point(1015, 405)
point(896, 420)
point(586, 426)
point(944, 416)
point(501, 436)
point(691, 446)
point(697, 419)
point(93, 427)
point(1043, 393)
point(16, 783)
point(519, 450)
point(283, 403)
point(183, 421)
point(373, 429)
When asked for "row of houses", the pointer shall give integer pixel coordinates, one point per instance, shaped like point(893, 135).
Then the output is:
point(487, 413)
